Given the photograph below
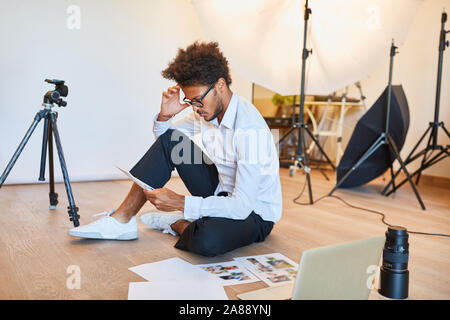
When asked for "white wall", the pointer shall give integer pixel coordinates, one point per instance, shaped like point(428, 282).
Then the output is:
point(112, 66)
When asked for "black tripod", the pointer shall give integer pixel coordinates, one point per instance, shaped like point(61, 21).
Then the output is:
point(50, 127)
point(301, 158)
point(427, 160)
point(384, 139)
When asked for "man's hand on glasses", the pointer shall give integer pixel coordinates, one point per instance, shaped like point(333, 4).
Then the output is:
point(170, 103)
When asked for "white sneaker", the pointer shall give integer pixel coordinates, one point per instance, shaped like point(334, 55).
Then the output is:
point(161, 220)
point(107, 228)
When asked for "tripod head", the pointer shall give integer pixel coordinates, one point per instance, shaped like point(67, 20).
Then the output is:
point(54, 96)
point(442, 42)
point(394, 48)
point(307, 10)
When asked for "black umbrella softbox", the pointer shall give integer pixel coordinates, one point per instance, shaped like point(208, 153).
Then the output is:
point(367, 130)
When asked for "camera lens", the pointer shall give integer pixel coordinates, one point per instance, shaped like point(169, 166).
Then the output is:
point(55, 95)
point(394, 274)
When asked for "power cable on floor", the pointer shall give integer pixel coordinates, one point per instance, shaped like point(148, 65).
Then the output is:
point(383, 216)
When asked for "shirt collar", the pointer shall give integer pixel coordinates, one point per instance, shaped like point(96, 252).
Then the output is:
point(229, 117)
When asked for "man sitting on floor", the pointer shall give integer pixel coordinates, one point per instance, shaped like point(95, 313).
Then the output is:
point(222, 150)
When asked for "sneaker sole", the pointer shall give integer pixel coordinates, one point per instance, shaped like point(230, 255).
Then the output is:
point(96, 235)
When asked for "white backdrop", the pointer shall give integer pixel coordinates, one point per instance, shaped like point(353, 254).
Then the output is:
point(350, 41)
point(415, 67)
point(112, 65)
point(264, 38)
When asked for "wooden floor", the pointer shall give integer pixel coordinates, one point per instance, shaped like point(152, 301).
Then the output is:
point(36, 250)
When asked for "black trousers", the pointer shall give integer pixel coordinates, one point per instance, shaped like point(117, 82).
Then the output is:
point(207, 236)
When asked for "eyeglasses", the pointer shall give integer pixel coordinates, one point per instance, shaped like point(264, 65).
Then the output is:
point(198, 103)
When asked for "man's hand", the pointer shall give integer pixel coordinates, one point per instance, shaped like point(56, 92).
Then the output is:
point(170, 103)
point(165, 199)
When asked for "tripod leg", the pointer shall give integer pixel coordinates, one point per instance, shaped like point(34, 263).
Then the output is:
point(301, 150)
point(392, 179)
point(418, 155)
point(408, 158)
point(391, 156)
point(431, 162)
point(402, 165)
point(367, 154)
point(443, 127)
point(72, 208)
point(424, 160)
point(435, 159)
point(390, 183)
point(22, 144)
point(44, 150)
point(320, 148)
point(286, 135)
point(52, 194)
point(308, 178)
point(323, 173)
point(305, 162)
point(429, 147)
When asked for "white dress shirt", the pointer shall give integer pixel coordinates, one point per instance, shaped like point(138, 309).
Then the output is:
point(243, 150)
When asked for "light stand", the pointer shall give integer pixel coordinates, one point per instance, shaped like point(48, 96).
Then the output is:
point(301, 158)
point(50, 128)
point(433, 128)
point(384, 139)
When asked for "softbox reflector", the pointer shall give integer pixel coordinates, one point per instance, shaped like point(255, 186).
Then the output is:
point(367, 131)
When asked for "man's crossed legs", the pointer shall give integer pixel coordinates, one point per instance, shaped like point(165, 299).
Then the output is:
point(208, 236)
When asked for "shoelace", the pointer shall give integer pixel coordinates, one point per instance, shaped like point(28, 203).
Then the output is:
point(104, 213)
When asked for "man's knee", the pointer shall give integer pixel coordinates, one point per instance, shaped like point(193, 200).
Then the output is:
point(201, 239)
point(180, 147)
point(214, 236)
point(166, 136)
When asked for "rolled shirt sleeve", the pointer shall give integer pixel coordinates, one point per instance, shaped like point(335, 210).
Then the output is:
point(184, 124)
point(159, 127)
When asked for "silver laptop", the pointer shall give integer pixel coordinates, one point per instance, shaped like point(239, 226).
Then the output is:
point(341, 271)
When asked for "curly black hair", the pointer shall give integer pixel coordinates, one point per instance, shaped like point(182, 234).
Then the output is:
point(199, 64)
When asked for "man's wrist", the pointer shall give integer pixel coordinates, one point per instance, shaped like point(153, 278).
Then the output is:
point(162, 117)
point(181, 205)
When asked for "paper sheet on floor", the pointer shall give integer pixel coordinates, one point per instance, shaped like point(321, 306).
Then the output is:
point(174, 279)
point(230, 272)
point(274, 268)
point(173, 269)
point(176, 290)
